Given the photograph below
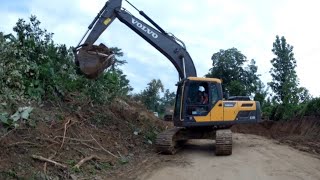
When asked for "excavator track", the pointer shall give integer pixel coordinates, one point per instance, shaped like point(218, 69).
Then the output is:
point(223, 142)
point(167, 142)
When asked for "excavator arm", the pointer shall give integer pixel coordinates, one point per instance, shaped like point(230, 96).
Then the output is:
point(98, 58)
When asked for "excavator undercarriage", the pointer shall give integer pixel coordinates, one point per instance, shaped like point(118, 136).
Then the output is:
point(171, 140)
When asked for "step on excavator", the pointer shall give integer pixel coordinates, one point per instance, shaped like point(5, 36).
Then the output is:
point(201, 111)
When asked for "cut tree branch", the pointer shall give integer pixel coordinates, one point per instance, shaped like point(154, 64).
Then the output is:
point(48, 160)
point(64, 133)
point(85, 160)
point(103, 147)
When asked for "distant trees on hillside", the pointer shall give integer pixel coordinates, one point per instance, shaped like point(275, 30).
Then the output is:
point(152, 99)
point(239, 76)
point(285, 100)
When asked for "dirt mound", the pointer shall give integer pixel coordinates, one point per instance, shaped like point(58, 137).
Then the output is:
point(108, 139)
point(303, 134)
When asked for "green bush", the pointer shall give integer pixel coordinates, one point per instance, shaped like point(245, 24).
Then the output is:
point(279, 112)
point(33, 67)
point(312, 108)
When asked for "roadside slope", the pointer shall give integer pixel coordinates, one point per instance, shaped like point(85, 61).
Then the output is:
point(118, 135)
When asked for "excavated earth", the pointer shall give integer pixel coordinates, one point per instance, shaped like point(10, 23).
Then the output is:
point(119, 137)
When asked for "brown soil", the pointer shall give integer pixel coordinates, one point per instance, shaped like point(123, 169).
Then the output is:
point(303, 134)
point(120, 135)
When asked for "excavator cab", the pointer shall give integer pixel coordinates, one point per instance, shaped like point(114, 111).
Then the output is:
point(195, 98)
point(200, 102)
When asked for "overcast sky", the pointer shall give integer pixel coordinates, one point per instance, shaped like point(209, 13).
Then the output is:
point(206, 26)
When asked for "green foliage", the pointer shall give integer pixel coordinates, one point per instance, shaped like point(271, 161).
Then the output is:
point(168, 98)
point(123, 160)
point(312, 108)
point(10, 174)
point(71, 162)
point(103, 165)
point(31, 61)
point(150, 96)
point(12, 121)
point(33, 67)
point(289, 100)
point(152, 99)
point(267, 108)
point(150, 136)
point(118, 53)
point(110, 85)
point(284, 112)
point(303, 95)
point(229, 65)
point(261, 94)
point(284, 78)
point(167, 101)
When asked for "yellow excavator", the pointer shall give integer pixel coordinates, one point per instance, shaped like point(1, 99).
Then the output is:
point(201, 111)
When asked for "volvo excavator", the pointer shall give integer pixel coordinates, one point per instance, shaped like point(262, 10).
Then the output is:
point(210, 117)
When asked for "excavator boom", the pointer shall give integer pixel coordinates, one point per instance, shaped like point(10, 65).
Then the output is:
point(93, 59)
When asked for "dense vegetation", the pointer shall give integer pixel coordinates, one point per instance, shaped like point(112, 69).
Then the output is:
point(34, 70)
point(33, 67)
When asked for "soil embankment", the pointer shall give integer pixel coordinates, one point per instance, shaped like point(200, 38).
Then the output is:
point(303, 134)
point(111, 140)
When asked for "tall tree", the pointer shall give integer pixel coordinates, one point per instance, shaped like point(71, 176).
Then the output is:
point(284, 78)
point(229, 65)
point(167, 101)
point(261, 94)
point(168, 98)
point(150, 96)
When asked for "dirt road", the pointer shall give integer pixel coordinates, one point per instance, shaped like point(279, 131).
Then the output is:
point(253, 157)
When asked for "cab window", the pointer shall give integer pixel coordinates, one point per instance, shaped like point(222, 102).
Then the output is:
point(214, 94)
point(198, 99)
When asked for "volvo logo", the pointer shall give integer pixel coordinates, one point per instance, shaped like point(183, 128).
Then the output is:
point(144, 28)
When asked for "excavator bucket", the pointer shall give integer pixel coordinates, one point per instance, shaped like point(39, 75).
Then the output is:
point(93, 60)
